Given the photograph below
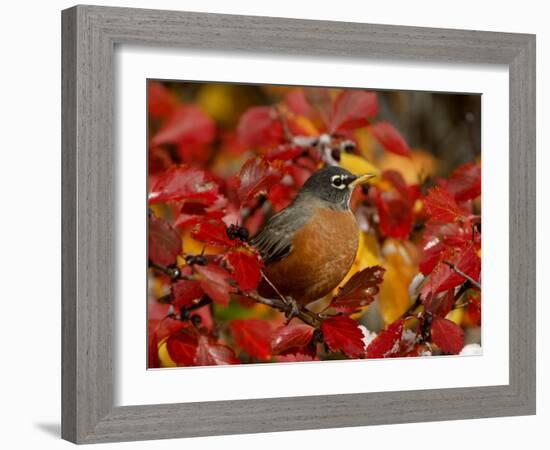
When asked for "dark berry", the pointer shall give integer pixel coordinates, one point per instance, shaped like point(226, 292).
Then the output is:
point(196, 320)
point(335, 153)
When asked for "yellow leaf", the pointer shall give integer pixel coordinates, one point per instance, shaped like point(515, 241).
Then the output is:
point(401, 264)
point(306, 125)
point(414, 169)
point(456, 315)
point(357, 165)
point(164, 356)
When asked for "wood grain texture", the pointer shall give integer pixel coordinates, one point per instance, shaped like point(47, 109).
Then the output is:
point(89, 201)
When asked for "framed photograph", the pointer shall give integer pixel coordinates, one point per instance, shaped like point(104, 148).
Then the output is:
point(268, 230)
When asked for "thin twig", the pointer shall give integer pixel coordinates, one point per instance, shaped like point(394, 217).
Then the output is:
point(462, 274)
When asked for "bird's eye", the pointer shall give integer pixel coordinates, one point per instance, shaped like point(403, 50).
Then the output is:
point(337, 182)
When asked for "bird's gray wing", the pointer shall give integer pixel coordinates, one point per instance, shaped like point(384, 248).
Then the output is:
point(274, 241)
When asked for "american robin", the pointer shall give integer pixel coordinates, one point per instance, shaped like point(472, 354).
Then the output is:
point(309, 247)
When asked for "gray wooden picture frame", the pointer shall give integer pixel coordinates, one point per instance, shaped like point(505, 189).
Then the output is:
point(90, 34)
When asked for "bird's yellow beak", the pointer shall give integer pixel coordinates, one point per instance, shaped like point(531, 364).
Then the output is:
point(362, 179)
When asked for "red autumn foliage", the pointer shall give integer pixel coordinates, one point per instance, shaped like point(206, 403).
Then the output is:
point(387, 343)
point(163, 240)
point(291, 337)
point(360, 290)
point(246, 269)
point(212, 186)
point(447, 335)
point(343, 334)
point(253, 336)
point(390, 138)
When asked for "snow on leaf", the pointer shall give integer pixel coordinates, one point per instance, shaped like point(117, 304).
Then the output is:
point(387, 343)
point(291, 336)
point(184, 183)
point(213, 354)
point(390, 138)
point(253, 336)
point(342, 333)
point(256, 175)
point(353, 109)
point(164, 242)
point(186, 124)
point(447, 335)
point(214, 281)
point(246, 269)
point(441, 206)
point(360, 289)
point(260, 126)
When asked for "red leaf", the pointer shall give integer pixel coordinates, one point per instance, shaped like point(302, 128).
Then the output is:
point(246, 269)
point(359, 290)
point(153, 360)
point(319, 99)
point(182, 348)
point(260, 126)
point(353, 109)
point(187, 124)
point(443, 277)
point(192, 213)
point(387, 343)
point(283, 153)
point(160, 102)
point(212, 354)
point(164, 242)
point(291, 336)
point(390, 138)
point(447, 335)
point(186, 292)
point(298, 104)
point(214, 281)
point(255, 176)
point(432, 255)
point(465, 182)
point(253, 336)
point(474, 308)
point(395, 214)
point(398, 183)
point(342, 333)
point(184, 183)
point(442, 206)
point(441, 304)
point(214, 233)
point(296, 357)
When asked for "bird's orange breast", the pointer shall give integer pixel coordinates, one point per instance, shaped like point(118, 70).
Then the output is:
point(322, 253)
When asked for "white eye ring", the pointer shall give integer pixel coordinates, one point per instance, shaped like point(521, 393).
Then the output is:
point(337, 182)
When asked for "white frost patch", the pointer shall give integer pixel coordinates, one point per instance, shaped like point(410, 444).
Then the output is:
point(368, 336)
point(415, 284)
point(471, 350)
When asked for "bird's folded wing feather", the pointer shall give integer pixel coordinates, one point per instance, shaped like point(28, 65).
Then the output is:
point(274, 241)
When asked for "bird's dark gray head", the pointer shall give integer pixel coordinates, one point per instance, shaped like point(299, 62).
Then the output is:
point(333, 185)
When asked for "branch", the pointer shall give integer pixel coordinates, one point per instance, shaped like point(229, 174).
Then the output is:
point(287, 308)
point(462, 274)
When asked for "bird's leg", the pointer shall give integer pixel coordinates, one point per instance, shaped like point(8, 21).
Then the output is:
point(291, 307)
point(292, 310)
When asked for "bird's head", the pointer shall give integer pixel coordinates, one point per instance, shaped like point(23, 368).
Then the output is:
point(333, 185)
